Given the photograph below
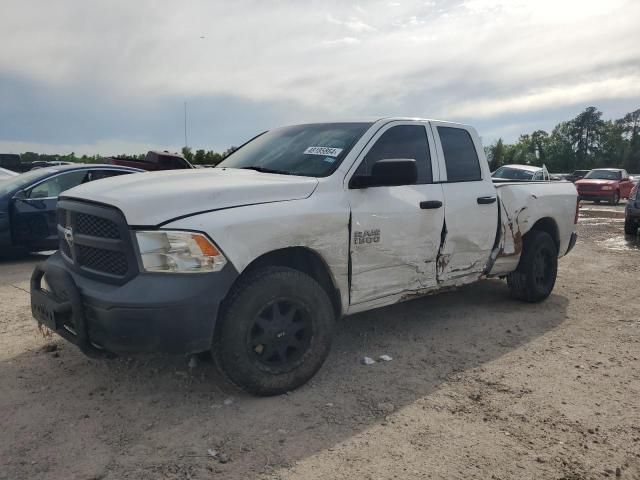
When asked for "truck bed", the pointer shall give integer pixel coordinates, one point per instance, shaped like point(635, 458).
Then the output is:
point(522, 204)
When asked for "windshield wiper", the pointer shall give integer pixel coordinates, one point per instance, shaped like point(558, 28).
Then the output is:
point(266, 170)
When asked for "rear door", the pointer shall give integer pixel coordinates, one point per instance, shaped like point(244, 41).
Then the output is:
point(395, 230)
point(471, 206)
point(34, 214)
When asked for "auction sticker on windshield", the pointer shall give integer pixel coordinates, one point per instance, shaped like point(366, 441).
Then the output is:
point(325, 151)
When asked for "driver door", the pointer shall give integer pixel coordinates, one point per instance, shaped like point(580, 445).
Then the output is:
point(395, 230)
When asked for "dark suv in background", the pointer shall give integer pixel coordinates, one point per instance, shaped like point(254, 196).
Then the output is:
point(632, 212)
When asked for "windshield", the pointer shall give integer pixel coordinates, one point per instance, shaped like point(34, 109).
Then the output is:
point(513, 173)
point(604, 175)
point(14, 183)
point(313, 150)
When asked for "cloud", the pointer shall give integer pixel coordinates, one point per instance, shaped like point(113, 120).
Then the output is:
point(342, 41)
point(455, 59)
point(353, 24)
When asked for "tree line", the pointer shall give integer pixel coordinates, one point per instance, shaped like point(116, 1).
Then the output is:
point(582, 143)
point(198, 157)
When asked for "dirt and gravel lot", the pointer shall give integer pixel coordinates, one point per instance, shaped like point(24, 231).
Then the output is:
point(480, 386)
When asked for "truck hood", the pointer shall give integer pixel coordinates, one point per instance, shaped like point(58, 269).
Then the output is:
point(152, 198)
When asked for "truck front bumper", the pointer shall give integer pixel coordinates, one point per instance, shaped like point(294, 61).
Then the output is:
point(153, 312)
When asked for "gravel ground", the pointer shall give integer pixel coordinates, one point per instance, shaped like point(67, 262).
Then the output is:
point(480, 386)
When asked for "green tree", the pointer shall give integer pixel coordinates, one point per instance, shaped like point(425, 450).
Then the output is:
point(585, 131)
point(612, 145)
point(560, 156)
point(187, 153)
point(212, 158)
point(630, 126)
point(538, 146)
point(496, 155)
point(199, 157)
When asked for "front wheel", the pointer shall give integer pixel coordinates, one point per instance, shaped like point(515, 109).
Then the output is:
point(275, 331)
point(615, 200)
point(536, 274)
point(630, 228)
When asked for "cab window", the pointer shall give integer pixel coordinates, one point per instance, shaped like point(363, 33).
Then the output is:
point(402, 141)
point(460, 155)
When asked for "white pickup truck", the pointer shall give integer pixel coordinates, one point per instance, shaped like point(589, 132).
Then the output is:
point(255, 259)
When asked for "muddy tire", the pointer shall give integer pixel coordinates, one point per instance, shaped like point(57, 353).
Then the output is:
point(629, 227)
point(275, 331)
point(535, 277)
point(615, 200)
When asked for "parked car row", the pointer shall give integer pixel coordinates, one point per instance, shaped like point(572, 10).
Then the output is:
point(597, 185)
point(28, 203)
point(154, 160)
point(519, 173)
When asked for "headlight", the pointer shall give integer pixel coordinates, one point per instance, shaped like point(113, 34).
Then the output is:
point(178, 252)
point(607, 187)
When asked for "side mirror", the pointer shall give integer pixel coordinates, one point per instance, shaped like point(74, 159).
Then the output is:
point(388, 173)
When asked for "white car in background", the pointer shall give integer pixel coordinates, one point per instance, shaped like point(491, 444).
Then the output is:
point(4, 174)
point(527, 173)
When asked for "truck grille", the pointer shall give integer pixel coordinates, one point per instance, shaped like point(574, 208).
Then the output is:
point(96, 226)
point(108, 261)
point(589, 187)
point(95, 241)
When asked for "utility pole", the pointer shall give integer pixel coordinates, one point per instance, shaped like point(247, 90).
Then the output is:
point(185, 125)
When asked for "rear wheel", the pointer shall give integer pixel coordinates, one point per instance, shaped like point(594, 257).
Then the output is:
point(536, 274)
point(275, 331)
point(630, 228)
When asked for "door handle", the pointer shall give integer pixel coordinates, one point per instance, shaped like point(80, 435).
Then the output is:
point(486, 200)
point(430, 204)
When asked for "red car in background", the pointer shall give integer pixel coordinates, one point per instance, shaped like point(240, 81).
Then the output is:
point(608, 184)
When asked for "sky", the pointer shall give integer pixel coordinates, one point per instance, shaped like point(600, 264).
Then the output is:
point(108, 77)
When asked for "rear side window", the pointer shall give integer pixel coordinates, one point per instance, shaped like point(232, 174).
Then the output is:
point(100, 174)
point(460, 155)
point(56, 185)
point(402, 141)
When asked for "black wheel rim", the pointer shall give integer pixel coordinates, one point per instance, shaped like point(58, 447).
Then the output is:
point(543, 268)
point(280, 334)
